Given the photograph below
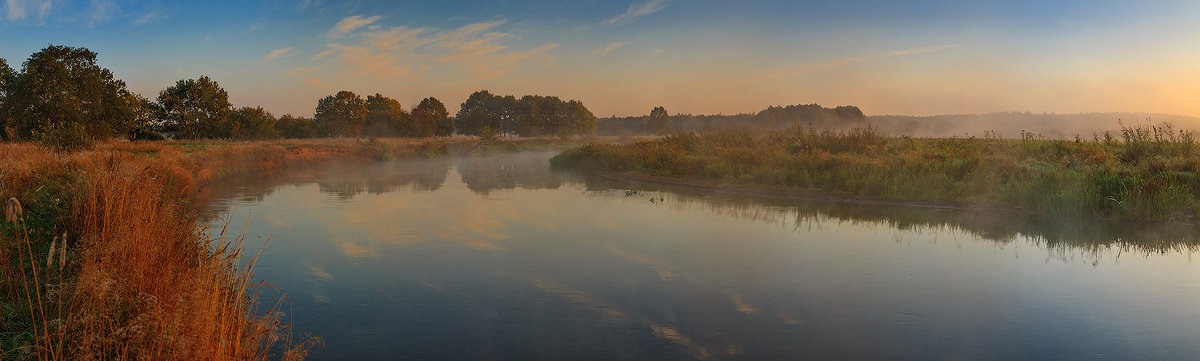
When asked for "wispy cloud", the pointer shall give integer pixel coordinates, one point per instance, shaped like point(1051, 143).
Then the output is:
point(20, 9)
point(315, 82)
point(326, 52)
point(100, 11)
point(274, 54)
point(399, 51)
point(304, 5)
point(808, 68)
point(149, 17)
point(351, 24)
point(303, 71)
point(637, 10)
point(256, 26)
point(605, 49)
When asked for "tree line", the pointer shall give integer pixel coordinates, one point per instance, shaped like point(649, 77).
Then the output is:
point(62, 97)
point(772, 118)
point(486, 114)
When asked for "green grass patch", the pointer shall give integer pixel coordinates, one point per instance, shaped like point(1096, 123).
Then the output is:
point(1146, 174)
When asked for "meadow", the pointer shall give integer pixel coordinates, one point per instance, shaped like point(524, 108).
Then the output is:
point(102, 255)
point(1145, 173)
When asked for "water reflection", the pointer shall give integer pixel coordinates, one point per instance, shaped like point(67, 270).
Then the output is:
point(486, 174)
point(499, 257)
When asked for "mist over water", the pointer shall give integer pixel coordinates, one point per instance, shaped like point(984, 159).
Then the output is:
point(500, 257)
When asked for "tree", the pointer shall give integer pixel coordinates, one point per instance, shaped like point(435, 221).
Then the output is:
point(141, 113)
point(195, 108)
point(849, 113)
point(659, 121)
point(7, 77)
point(536, 115)
point(63, 98)
point(385, 117)
point(580, 120)
point(290, 126)
point(344, 113)
point(248, 123)
point(432, 118)
point(485, 110)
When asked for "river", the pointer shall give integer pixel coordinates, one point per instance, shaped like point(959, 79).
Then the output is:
point(498, 257)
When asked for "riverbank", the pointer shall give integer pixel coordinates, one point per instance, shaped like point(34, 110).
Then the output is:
point(1145, 174)
point(103, 258)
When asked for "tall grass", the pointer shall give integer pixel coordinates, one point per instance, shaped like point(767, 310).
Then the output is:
point(106, 259)
point(1148, 175)
point(127, 274)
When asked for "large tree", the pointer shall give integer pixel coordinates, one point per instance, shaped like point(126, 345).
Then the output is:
point(485, 110)
point(549, 115)
point(432, 118)
point(579, 120)
point(195, 108)
point(343, 114)
point(63, 98)
point(386, 117)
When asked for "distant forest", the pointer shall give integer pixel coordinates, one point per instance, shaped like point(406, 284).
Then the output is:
point(1014, 124)
point(772, 118)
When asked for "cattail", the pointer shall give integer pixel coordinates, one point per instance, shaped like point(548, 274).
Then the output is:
point(12, 210)
point(50, 255)
point(62, 254)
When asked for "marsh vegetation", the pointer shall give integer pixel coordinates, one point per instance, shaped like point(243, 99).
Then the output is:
point(1143, 174)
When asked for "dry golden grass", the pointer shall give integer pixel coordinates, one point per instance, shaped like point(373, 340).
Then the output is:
point(134, 279)
point(127, 274)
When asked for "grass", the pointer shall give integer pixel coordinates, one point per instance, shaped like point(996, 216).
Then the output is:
point(105, 258)
point(1144, 174)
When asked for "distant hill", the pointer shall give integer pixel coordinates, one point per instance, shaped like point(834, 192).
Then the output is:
point(1010, 124)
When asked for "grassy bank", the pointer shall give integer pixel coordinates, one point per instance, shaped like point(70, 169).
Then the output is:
point(1144, 174)
point(101, 255)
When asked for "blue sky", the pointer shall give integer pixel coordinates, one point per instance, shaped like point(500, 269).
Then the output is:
point(625, 57)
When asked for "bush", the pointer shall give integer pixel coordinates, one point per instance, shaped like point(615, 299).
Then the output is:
point(69, 136)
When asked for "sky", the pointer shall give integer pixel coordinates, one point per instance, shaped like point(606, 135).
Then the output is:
point(625, 57)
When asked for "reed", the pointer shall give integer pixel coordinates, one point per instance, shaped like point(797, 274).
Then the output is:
point(134, 277)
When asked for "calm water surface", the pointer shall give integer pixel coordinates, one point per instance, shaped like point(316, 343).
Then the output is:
point(500, 258)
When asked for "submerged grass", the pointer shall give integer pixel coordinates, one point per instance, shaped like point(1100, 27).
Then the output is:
point(1144, 174)
point(102, 257)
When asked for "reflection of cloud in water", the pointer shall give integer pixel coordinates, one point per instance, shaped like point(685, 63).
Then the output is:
point(320, 272)
point(277, 222)
point(741, 305)
point(616, 314)
point(356, 250)
point(663, 269)
point(667, 272)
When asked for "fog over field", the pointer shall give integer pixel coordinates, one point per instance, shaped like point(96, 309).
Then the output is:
point(1013, 124)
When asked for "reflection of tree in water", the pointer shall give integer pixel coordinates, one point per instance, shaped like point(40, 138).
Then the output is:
point(529, 171)
point(482, 174)
point(341, 180)
point(350, 180)
point(1065, 237)
point(423, 175)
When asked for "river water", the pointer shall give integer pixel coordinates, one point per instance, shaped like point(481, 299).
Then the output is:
point(499, 257)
